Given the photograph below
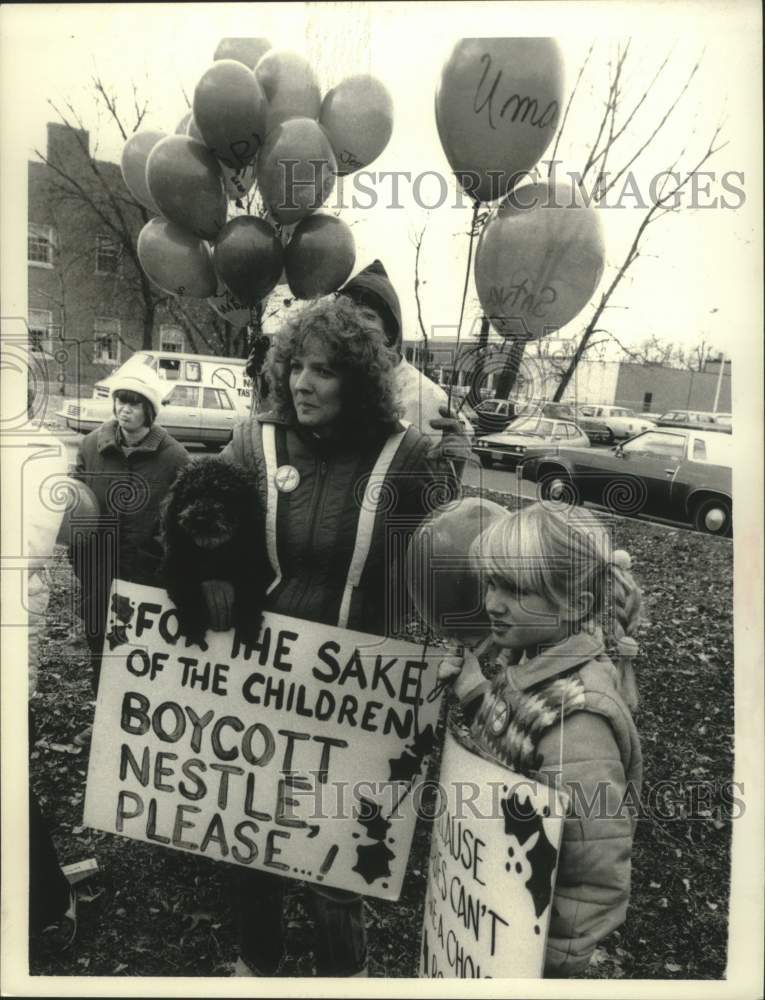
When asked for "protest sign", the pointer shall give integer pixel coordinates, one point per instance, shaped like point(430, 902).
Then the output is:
point(302, 755)
point(493, 858)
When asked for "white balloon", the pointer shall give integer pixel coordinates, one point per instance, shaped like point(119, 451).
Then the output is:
point(228, 307)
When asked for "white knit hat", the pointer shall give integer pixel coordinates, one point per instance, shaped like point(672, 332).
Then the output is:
point(147, 385)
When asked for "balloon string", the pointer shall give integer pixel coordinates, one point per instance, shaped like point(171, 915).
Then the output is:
point(473, 222)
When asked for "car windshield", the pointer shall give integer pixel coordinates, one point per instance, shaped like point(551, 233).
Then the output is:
point(530, 426)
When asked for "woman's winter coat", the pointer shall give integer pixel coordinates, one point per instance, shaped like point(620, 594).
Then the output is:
point(129, 489)
point(338, 526)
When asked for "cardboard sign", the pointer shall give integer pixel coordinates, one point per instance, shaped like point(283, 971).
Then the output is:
point(493, 859)
point(302, 755)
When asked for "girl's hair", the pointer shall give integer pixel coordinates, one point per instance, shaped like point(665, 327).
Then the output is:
point(559, 554)
point(133, 399)
point(358, 354)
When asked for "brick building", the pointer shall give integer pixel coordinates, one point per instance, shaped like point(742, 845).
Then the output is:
point(88, 306)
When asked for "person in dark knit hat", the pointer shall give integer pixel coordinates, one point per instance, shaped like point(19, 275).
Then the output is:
point(423, 403)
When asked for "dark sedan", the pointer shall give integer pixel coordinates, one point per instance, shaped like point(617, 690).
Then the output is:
point(681, 475)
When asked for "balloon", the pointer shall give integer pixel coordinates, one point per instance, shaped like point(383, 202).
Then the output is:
point(238, 183)
point(185, 181)
point(296, 169)
point(81, 511)
point(230, 112)
point(175, 260)
point(444, 586)
point(248, 258)
point(244, 50)
point(290, 87)
point(498, 105)
point(539, 260)
point(192, 129)
point(357, 115)
point(319, 257)
point(182, 128)
point(228, 307)
point(135, 153)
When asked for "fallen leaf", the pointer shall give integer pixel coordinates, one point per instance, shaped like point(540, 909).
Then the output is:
point(672, 967)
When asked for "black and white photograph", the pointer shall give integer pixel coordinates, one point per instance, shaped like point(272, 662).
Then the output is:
point(381, 443)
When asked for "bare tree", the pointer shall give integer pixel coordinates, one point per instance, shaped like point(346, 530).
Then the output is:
point(417, 239)
point(84, 192)
point(664, 198)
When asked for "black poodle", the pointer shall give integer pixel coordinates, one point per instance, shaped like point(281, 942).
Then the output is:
point(213, 528)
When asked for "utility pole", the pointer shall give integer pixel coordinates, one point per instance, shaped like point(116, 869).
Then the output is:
point(719, 382)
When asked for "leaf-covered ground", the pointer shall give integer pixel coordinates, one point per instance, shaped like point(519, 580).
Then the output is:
point(163, 913)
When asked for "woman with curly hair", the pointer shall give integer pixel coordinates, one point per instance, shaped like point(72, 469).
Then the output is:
point(336, 467)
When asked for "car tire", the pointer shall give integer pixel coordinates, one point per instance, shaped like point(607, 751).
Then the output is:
point(556, 485)
point(486, 461)
point(610, 437)
point(713, 516)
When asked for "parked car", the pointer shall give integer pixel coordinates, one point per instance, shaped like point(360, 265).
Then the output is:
point(696, 420)
point(525, 436)
point(494, 415)
point(679, 474)
point(193, 414)
point(610, 423)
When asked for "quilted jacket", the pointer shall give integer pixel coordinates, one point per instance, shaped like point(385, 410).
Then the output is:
point(317, 522)
point(596, 751)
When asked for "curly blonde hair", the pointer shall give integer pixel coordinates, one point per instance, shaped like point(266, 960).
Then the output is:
point(359, 354)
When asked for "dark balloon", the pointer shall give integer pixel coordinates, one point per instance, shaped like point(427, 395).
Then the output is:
point(230, 112)
point(357, 115)
point(296, 169)
point(538, 261)
point(290, 86)
point(498, 105)
point(445, 587)
point(135, 153)
point(185, 181)
point(175, 260)
point(319, 257)
point(248, 258)
point(244, 50)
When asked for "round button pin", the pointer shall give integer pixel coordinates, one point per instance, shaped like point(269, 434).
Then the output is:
point(286, 478)
point(500, 717)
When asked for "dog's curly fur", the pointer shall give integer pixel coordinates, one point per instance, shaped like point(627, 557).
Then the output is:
point(213, 527)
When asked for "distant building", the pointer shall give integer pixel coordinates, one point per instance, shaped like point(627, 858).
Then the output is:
point(86, 314)
point(648, 388)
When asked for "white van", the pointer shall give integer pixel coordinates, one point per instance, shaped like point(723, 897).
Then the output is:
point(209, 395)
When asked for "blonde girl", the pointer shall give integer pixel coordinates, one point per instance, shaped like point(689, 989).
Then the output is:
point(559, 708)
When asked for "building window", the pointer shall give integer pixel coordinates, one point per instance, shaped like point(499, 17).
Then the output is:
point(41, 241)
point(40, 330)
point(171, 338)
point(108, 255)
point(106, 335)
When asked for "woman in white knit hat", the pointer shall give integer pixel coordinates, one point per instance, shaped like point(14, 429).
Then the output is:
point(129, 462)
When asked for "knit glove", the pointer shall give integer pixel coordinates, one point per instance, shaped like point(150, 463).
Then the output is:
point(219, 599)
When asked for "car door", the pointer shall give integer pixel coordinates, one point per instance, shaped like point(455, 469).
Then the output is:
point(654, 458)
point(180, 414)
point(218, 416)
